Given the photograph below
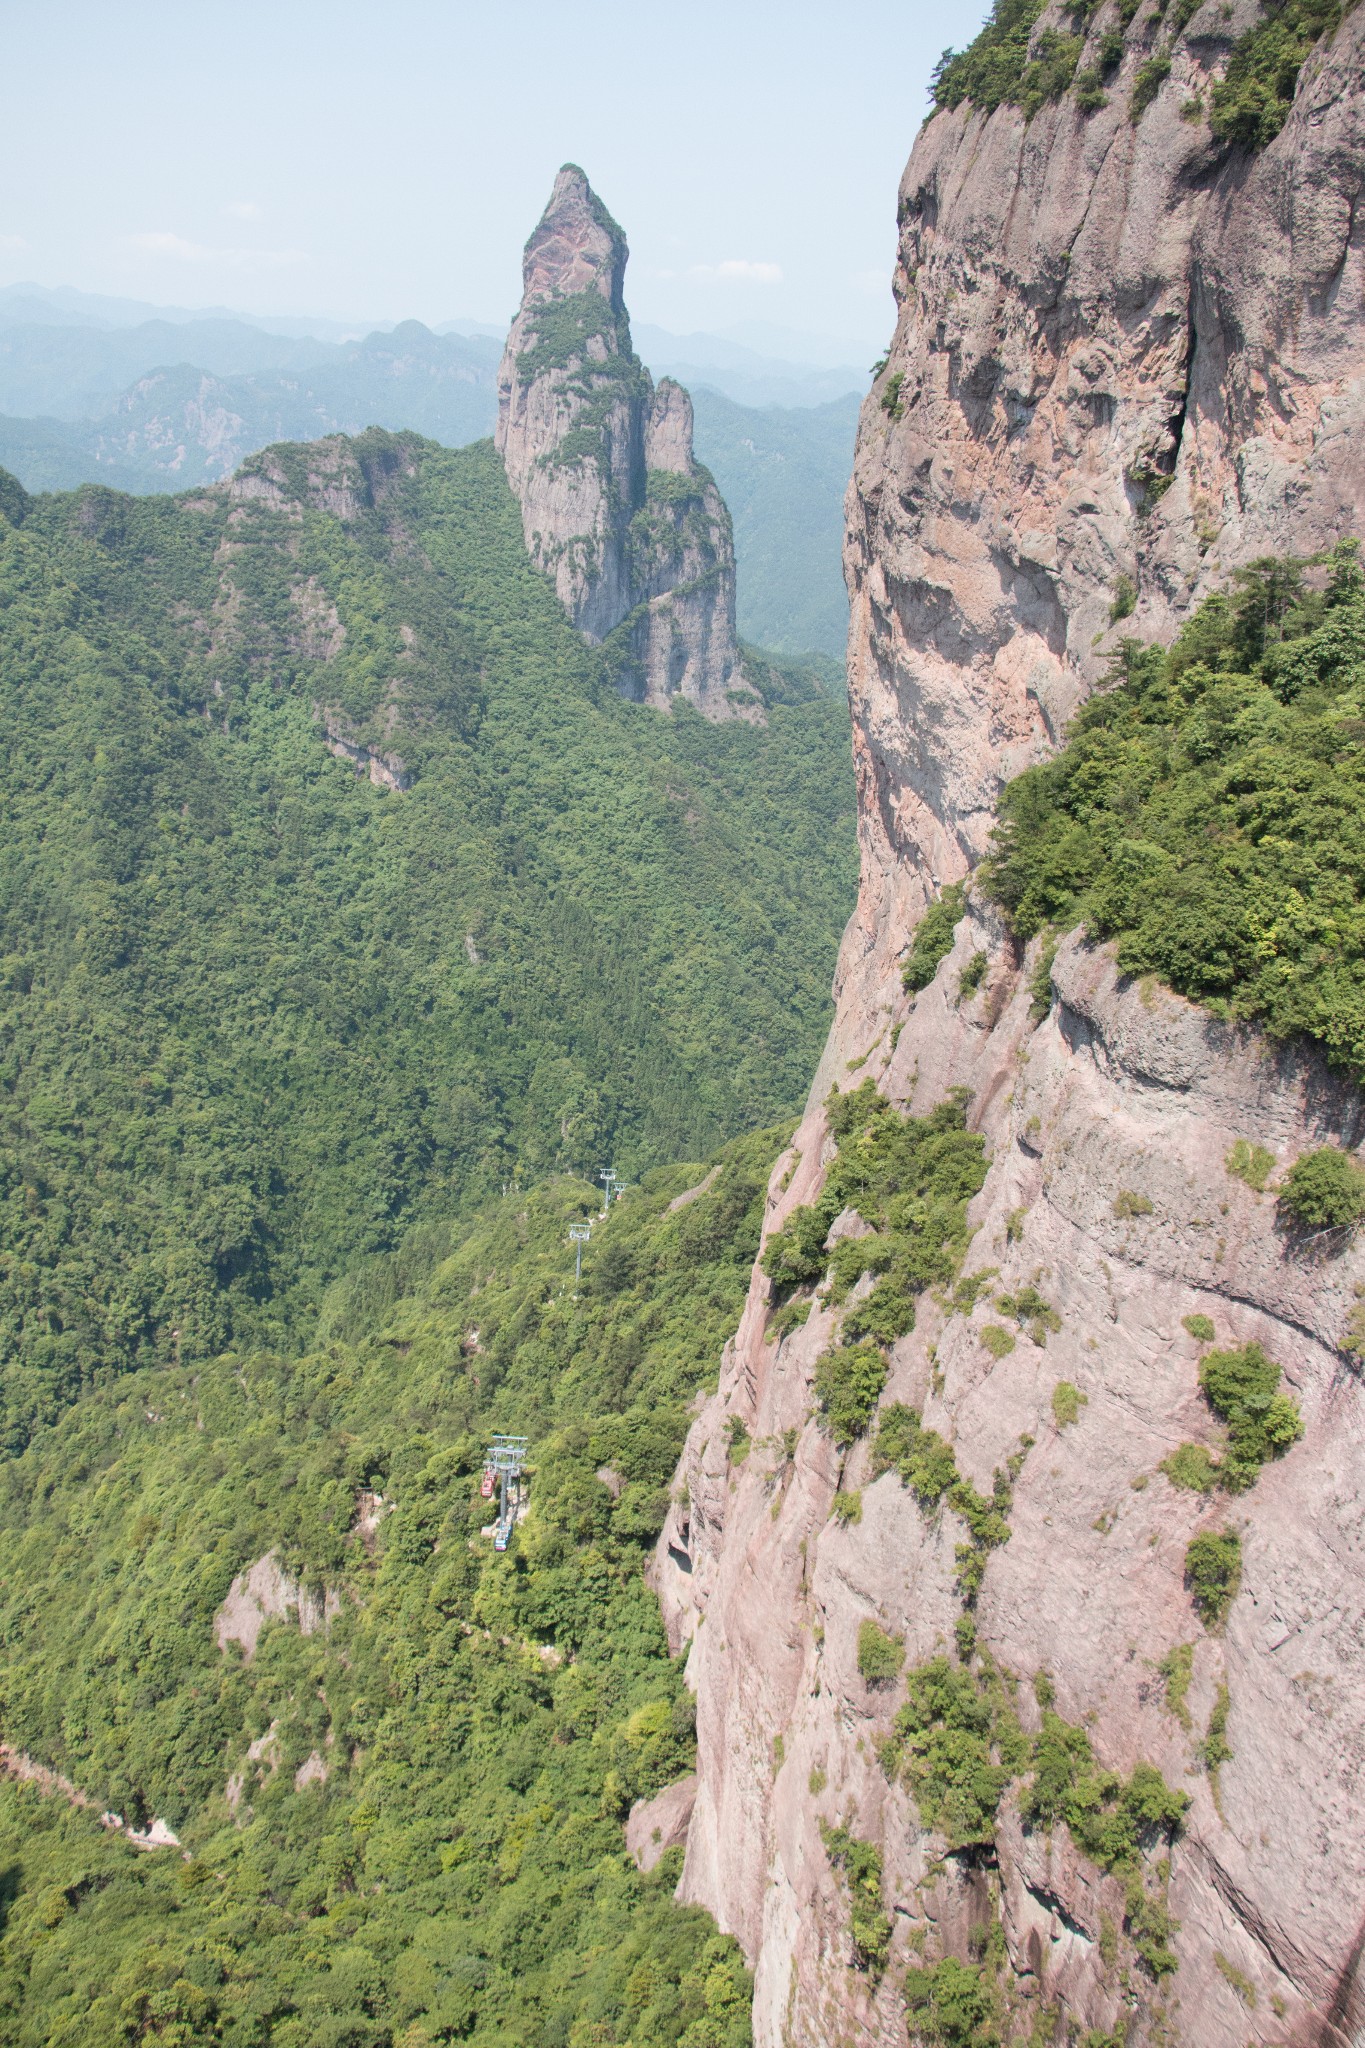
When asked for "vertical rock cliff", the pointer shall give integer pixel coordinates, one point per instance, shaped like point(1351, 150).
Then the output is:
point(1128, 359)
point(614, 507)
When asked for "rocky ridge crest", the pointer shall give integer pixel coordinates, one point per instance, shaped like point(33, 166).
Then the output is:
point(1124, 353)
point(614, 506)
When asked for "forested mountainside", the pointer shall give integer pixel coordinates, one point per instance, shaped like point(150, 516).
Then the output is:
point(1046, 1727)
point(783, 473)
point(250, 1600)
point(167, 405)
point(341, 889)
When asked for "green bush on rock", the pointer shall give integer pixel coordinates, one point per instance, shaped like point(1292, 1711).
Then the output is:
point(1213, 1573)
point(933, 940)
point(1206, 811)
point(949, 2005)
point(1324, 1190)
point(910, 1179)
point(880, 1656)
point(848, 1381)
point(1251, 101)
point(860, 1865)
point(1242, 1390)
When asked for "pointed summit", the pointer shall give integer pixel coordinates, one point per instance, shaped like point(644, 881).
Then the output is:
point(576, 247)
point(614, 506)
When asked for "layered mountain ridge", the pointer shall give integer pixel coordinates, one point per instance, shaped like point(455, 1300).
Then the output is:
point(614, 506)
point(1128, 363)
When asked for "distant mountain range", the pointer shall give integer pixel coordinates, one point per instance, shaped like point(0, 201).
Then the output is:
point(158, 408)
point(147, 398)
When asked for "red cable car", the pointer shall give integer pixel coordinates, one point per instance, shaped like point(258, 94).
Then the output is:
point(487, 1483)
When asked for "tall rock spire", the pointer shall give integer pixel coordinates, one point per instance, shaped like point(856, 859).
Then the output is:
point(614, 506)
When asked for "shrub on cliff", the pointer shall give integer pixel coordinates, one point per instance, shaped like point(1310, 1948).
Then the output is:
point(1208, 810)
point(933, 940)
point(1324, 1190)
point(848, 1381)
point(1213, 1573)
point(860, 1865)
point(957, 1744)
point(797, 1252)
point(911, 1179)
point(1112, 1820)
point(1251, 101)
point(922, 1458)
point(949, 2005)
point(1008, 63)
point(927, 1465)
point(1242, 1388)
point(880, 1656)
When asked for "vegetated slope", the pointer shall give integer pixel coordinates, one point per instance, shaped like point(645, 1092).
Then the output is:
point(259, 1016)
point(783, 473)
point(1207, 811)
point(450, 1863)
point(782, 470)
point(1015, 62)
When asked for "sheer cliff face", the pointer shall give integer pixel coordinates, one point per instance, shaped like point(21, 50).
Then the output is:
point(1120, 352)
point(614, 507)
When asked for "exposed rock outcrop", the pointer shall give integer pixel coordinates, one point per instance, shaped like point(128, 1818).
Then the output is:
point(614, 506)
point(267, 1592)
point(659, 1824)
point(1120, 351)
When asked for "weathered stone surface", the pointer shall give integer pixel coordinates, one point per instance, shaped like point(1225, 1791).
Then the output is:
point(1088, 308)
point(266, 1592)
point(614, 506)
point(661, 1823)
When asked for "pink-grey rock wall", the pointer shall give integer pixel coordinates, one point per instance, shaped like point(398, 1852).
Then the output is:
point(1121, 352)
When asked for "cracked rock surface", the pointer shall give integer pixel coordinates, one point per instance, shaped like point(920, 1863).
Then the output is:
point(1121, 351)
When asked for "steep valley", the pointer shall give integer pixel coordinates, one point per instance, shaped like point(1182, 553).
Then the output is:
point(353, 919)
point(939, 1607)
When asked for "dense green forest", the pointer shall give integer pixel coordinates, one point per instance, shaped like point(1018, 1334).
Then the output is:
point(280, 1051)
point(259, 1018)
point(1207, 809)
point(485, 1721)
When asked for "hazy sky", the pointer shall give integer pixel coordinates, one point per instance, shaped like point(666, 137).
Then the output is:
point(389, 160)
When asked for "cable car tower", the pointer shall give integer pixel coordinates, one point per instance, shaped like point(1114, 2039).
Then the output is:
point(503, 1467)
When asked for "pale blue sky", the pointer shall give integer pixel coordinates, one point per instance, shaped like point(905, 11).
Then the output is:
point(328, 157)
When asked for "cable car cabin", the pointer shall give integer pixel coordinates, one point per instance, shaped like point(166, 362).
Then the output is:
point(486, 1484)
point(502, 1539)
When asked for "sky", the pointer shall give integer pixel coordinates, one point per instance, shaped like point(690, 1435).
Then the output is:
point(387, 161)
